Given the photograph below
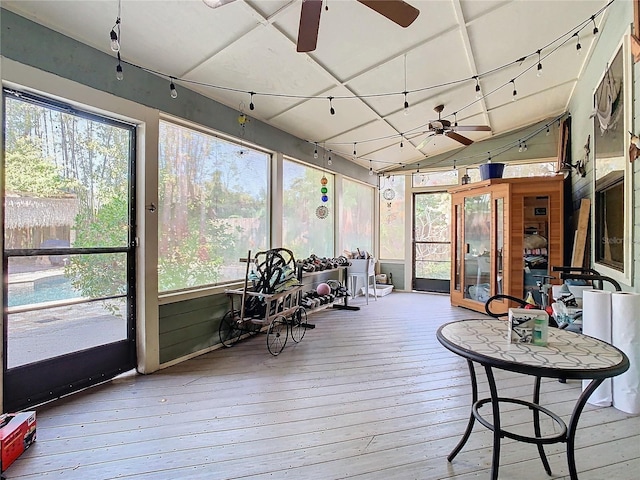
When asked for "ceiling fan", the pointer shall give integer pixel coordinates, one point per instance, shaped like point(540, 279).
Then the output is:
point(397, 11)
point(443, 127)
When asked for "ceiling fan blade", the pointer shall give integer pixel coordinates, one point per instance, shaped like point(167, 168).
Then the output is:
point(395, 10)
point(459, 138)
point(472, 128)
point(309, 24)
point(424, 142)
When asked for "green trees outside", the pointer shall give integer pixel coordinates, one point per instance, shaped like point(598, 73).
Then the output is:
point(212, 207)
point(432, 214)
point(53, 154)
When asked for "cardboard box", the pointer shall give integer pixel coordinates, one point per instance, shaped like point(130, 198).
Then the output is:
point(17, 433)
point(522, 322)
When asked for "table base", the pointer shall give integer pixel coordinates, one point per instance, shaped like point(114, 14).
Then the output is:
point(567, 435)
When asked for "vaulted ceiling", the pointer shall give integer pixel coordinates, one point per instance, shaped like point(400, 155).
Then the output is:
point(363, 60)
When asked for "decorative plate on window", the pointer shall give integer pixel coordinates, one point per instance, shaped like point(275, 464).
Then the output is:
point(389, 194)
point(322, 212)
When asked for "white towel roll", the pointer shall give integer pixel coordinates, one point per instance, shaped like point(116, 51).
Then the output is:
point(625, 315)
point(596, 322)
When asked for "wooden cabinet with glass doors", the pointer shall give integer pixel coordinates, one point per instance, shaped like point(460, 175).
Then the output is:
point(506, 233)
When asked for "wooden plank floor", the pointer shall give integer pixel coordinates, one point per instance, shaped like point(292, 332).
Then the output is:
point(366, 395)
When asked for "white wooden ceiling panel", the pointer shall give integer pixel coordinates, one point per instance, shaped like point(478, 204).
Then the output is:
point(312, 121)
point(424, 71)
point(268, 72)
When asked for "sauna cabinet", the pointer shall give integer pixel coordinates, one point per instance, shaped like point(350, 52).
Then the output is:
point(505, 231)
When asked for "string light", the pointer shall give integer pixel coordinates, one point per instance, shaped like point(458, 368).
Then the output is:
point(172, 89)
point(332, 110)
point(329, 162)
point(548, 132)
point(251, 105)
point(519, 146)
point(119, 73)
point(539, 74)
point(524, 146)
point(514, 95)
point(315, 152)
point(370, 168)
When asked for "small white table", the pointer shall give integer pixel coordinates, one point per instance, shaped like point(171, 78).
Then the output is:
point(568, 355)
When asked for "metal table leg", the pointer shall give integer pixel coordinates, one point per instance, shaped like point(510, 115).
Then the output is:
point(536, 425)
point(573, 425)
point(472, 418)
point(497, 434)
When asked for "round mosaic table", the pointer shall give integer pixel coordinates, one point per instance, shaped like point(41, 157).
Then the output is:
point(568, 355)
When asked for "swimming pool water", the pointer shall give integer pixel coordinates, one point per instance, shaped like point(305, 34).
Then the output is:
point(41, 290)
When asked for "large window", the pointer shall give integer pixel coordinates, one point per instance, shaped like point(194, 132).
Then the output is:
point(213, 207)
point(392, 218)
point(307, 220)
point(356, 216)
point(610, 165)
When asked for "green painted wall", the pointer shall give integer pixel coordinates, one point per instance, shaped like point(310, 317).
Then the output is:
point(396, 270)
point(619, 17)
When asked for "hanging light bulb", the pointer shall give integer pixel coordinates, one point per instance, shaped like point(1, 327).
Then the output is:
point(332, 110)
point(251, 105)
point(315, 152)
point(406, 104)
point(119, 73)
point(524, 146)
point(115, 44)
point(370, 168)
point(329, 161)
point(402, 140)
point(539, 74)
point(520, 147)
point(478, 92)
point(172, 89)
point(578, 46)
point(354, 149)
point(514, 95)
point(595, 28)
point(548, 132)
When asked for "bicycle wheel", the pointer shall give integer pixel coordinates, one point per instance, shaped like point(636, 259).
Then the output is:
point(230, 328)
point(277, 335)
point(487, 305)
point(298, 324)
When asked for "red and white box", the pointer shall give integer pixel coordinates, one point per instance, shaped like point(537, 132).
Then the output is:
point(17, 433)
